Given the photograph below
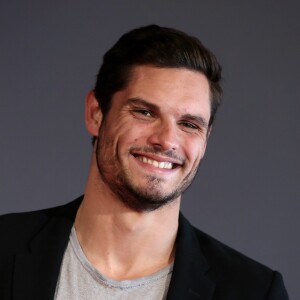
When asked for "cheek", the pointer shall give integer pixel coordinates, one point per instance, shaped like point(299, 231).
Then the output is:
point(133, 136)
point(195, 151)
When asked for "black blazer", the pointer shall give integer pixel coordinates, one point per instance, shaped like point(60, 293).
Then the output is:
point(33, 245)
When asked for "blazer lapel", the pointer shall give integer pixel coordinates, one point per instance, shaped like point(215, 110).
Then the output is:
point(37, 270)
point(189, 280)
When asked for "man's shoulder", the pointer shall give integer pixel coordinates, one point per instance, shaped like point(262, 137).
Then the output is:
point(219, 254)
point(226, 260)
point(233, 268)
point(18, 228)
point(233, 273)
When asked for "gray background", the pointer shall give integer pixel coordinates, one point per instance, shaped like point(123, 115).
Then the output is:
point(247, 191)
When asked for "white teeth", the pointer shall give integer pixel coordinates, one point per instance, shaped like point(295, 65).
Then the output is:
point(155, 163)
point(161, 165)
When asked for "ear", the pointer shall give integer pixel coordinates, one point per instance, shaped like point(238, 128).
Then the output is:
point(93, 114)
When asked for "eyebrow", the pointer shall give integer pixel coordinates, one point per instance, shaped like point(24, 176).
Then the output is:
point(138, 101)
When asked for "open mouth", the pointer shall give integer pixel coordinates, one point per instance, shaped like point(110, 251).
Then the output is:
point(158, 164)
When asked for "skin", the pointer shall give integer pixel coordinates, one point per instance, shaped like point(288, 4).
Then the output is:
point(130, 210)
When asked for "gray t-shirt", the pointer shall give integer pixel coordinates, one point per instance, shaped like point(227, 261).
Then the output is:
point(78, 279)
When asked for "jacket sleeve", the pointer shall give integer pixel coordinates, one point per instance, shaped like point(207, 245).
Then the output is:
point(277, 289)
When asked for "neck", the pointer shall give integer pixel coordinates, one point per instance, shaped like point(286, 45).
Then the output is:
point(122, 243)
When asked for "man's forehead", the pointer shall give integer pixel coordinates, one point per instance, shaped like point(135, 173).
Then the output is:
point(181, 88)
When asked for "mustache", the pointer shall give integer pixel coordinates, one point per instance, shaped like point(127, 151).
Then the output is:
point(157, 150)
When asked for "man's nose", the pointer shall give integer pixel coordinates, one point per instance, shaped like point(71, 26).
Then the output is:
point(165, 136)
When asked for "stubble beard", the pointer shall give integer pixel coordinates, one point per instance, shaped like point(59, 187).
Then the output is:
point(146, 198)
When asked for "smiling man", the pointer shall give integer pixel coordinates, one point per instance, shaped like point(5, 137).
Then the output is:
point(150, 116)
point(151, 153)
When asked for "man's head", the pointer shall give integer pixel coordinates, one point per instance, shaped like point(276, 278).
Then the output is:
point(151, 113)
point(160, 47)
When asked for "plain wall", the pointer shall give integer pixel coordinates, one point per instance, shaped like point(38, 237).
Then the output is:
point(247, 191)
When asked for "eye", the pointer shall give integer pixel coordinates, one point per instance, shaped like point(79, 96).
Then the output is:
point(142, 112)
point(145, 112)
point(189, 125)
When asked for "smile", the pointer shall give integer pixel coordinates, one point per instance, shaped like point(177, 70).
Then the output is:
point(157, 164)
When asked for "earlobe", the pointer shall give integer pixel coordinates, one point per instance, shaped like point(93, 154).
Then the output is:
point(93, 114)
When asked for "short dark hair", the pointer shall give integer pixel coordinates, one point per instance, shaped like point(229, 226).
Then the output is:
point(160, 47)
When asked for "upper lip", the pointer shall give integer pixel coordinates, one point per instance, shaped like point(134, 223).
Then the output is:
point(159, 158)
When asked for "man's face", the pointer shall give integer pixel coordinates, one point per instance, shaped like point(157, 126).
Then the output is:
point(153, 137)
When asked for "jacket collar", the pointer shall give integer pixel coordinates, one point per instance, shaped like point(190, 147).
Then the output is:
point(37, 269)
point(188, 280)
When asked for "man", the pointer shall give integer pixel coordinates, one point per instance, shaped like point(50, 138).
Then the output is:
point(150, 115)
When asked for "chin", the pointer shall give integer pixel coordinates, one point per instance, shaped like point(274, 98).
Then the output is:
point(146, 199)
